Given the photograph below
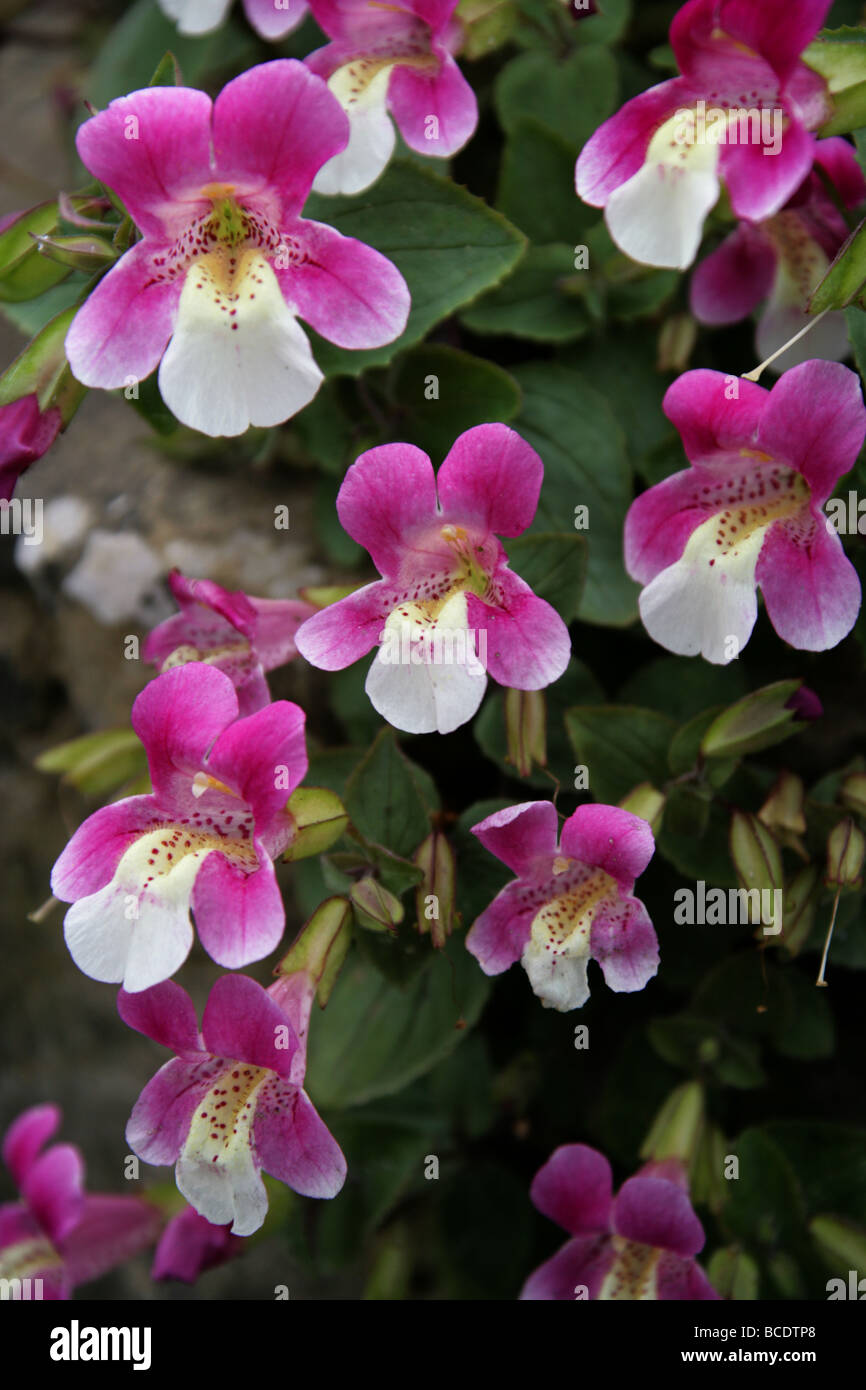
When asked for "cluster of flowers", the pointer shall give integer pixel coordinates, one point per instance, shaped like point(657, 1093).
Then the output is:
point(209, 295)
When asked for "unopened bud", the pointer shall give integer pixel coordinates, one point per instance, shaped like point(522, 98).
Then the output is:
point(434, 896)
point(526, 729)
point(846, 851)
point(646, 802)
point(375, 907)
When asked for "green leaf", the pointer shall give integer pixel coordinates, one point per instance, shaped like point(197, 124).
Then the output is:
point(844, 281)
point(96, 764)
point(378, 1036)
point(839, 55)
point(538, 301)
point(554, 565)
point(470, 391)
point(24, 272)
point(621, 746)
point(577, 435)
point(449, 245)
point(536, 185)
point(571, 98)
point(696, 1044)
point(829, 1161)
point(765, 1207)
point(32, 315)
point(758, 721)
point(682, 687)
point(385, 798)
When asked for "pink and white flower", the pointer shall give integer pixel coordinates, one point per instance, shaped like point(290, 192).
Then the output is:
point(782, 260)
point(190, 1245)
point(397, 59)
point(271, 19)
point(657, 165)
point(203, 841)
point(242, 636)
point(26, 433)
point(639, 1244)
point(570, 903)
point(447, 609)
point(56, 1233)
point(747, 513)
point(212, 291)
point(231, 1101)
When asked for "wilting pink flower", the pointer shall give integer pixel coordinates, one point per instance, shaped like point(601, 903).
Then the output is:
point(748, 513)
point(204, 840)
point(240, 635)
point(393, 58)
point(226, 262)
point(231, 1102)
point(740, 114)
point(57, 1234)
point(570, 903)
point(782, 260)
point(272, 19)
point(448, 608)
point(640, 1244)
point(26, 433)
point(190, 1245)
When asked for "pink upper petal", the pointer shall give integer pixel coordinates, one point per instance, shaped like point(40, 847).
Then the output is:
point(190, 1244)
point(575, 1189)
point(386, 493)
point(164, 1013)
point(777, 30)
point(730, 282)
point(344, 631)
point(625, 945)
point(91, 856)
point(273, 23)
point(152, 148)
point(121, 331)
point(26, 1136)
point(611, 839)
point(273, 129)
point(523, 837)
point(583, 1261)
point(242, 1022)
point(263, 758)
point(235, 608)
point(496, 939)
point(294, 1145)
point(839, 160)
point(816, 421)
point(678, 1278)
point(756, 190)
point(277, 622)
point(177, 717)
point(53, 1189)
point(659, 1213)
point(616, 151)
point(491, 477)
point(352, 295)
point(709, 417)
point(25, 435)
point(110, 1232)
point(528, 646)
point(239, 916)
point(414, 96)
point(811, 589)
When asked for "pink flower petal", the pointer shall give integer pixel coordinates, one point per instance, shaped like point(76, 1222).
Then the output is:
point(838, 159)
point(658, 525)
point(110, 1232)
point(121, 330)
point(756, 190)
point(710, 418)
point(277, 622)
point(53, 1189)
point(273, 22)
point(492, 478)
point(575, 1189)
point(273, 129)
point(616, 151)
point(294, 1145)
point(609, 838)
point(25, 1138)
point(164, 1013)
point(89, 860)
point(387, 493)
point(654, 1212)
point(811, 589)
point(496, 939)
point(345, 631)
point(350, 293)
point(177, 717)
point(152, 148)
point(816, 421)
point(581, 1263)
point(239, 916)
point(523, 837)
point(242, 1022)
point(26, 433)
point(625, 945)
point(528, 646)
point(730, 282)
point(263, 758)
point(162, 1115)
point(677, 1278)
point(190, 1245)
point(777, 30)
point(413, 97)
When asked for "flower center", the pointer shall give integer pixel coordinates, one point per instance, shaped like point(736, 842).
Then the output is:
point(28, 1257)
point(563, 924)
point(754, 502)
point(633, 1272)
point(224, 1117)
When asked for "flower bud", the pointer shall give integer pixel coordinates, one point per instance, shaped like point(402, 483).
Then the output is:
point(434, 896)
point(846, 851)
point(526, 729)
point(319, 818)
point(646, 802)
point(375, 907)
point(320, 947)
